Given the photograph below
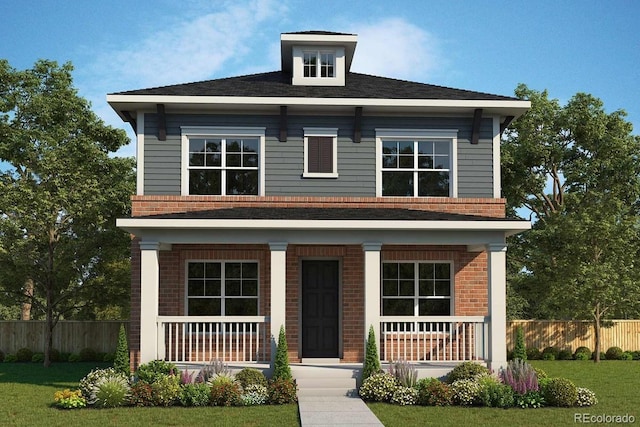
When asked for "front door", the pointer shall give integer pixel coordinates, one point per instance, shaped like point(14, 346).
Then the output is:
point(320, 308)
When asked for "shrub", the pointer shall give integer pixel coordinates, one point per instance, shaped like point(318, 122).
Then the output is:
point(254, 394)
point(378, 387)
point(433, 392)
point(226, 394)
point(404, 396)
point(64, 356)
point(466, 371)
point(151, 371)
point(533, 354)
point(603, 356)
point(10, 358)
point(73, 358)
point(1, 356)
point(496, 395)
point(91, 379)
point(54, 355)
point(67, 399)
point(110, 357)
point(540, 374)
point(371, 361)
point(214, 368)
point(465, 391)
point(550, 353)
point(405, 373)
point(165, 389)
point(88, 355)
point(565, 355)
point(24, 355)
point(520, 350)
point(121, 358)
point(37, 358)
point(614, 353)
point(251, 376)
point(142, 394)
point(281, 369)
point(582, 353)
point(194, 394)
point(282, 391)
point(110, 391)
point(636, 355)
point(531, 399)
point(520, 376)
point(586, 397)
point(627, 355)
point(560, 392)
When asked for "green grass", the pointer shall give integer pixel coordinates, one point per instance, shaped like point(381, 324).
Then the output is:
point(614, 382)
point(27, 390)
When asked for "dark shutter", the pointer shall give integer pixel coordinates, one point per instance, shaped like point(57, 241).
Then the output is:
point(320, 154)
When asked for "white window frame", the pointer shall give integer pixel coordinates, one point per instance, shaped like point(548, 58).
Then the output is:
point(450, 135)
point(321, 132)
point(221, 132)
point(338, 78)
point(416, 297)
point(222, 285)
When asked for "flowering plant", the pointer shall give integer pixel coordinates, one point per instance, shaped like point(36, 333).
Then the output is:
point(67, 399)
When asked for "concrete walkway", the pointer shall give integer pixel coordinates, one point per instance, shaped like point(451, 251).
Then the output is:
point(334, 411)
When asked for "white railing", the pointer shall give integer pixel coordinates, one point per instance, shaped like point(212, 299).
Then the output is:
point(205, 338)
point(433, 338)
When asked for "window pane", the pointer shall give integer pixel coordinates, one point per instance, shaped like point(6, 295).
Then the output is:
point(397, 183)
point(407, 287)
point(310, 64)
point(204, 307)
point(406, 271)
point(232, 288)
point(434, 307)
point(250, 160)
point(202, 181)
point(250, 145)
point(425, 162)
point(405, 162)
point(327, 65)
point(397, 307)
point(213, 288)
point(234, 145)
point(214, 145)
point(213, 160)
point(389, 271)
point(425, 147)
point(233, 270)
point(249, 270)
point(250, 288)
point(389, 161)
point(196, 270)
point(432, 184)
point(390, 288)
point(241, 307)
point(442, 271)
point(242, 182)
point(443, 288)
point(426, 288)
point(442, 148)
point(389, 147)
point(405, 147)
point(196, 145)
point(195, 288)
point(234, 160)
point(441, 162)
point(213, 270)
point(196, 159)
point(426, 271)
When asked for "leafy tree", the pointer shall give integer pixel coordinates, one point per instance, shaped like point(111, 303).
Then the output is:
point(59, 195)
point(576, 168)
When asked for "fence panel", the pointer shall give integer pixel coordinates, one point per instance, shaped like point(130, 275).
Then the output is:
point(571, 334)
point(69, 336)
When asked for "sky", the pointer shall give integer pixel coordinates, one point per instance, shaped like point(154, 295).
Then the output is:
point(488, 46)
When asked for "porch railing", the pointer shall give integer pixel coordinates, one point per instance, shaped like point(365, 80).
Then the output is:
point(433, 338)
point(205, 338)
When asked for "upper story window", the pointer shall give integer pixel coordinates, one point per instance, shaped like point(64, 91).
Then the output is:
point(319, 64)
point(219, 161)
point(414, 163)
point(320, 153)
point(322, 66)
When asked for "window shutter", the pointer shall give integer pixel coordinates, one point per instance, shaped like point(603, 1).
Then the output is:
point(320, 154)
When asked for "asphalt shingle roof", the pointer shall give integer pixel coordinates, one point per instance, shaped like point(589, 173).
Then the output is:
point(278, 84)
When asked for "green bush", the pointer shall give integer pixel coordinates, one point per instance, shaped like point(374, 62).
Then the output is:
point(635, 355)
point(142, 394)
point(496, 395)
point(433, 392)
point(92, 378)
point(565, 355)
point(24, 355)
point(282, 391)
point(255, 394)
point(614, 353)
point(226, 394)
point(404, 396)
point(378, 387)
point(37, 358)
point(533, 354)
point(108, 357)
point(627, 355)
point(121, 357)
point(531, 399)
point(371, 361)
point(603, 356)
point(251, 376)
point(540, 373)
point(281, 369)
point(560, 392)
point(520, 350)
point(582, 353)
point(110, 391)
point(88, 355)
point(550, 353)
point(151, 371)
point(466, 371)
point(465, 392)
point(194, 394)
point(54, 355)
point(73, 358)
point(165, 389)
point(10, 358)
point(64, 356)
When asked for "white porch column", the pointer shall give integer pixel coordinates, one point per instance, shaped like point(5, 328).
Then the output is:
point(278, 291)
point(149, 282)
point(371, 288)
point(497, 271)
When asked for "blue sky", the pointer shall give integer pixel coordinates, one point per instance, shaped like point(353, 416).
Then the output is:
point(489, 46)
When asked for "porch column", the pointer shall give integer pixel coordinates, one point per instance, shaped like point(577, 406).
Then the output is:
point(149, 281)
point(371, 288)
point(278, 282)
point(497, 271)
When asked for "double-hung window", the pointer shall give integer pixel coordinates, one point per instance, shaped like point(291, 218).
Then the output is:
point(222, 162)
point(222, 288)
point(319, 63)
point(416, 288)
point(416, 164)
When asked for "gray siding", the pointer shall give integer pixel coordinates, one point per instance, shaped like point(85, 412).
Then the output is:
point(284, 160)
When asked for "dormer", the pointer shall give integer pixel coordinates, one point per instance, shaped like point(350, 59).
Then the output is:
point(317, 58)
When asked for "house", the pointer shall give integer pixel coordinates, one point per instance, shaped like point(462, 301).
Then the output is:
point(322, 200)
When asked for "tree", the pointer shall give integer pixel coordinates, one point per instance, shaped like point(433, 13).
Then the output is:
point(577, 169)
point(281, 368)
point(59, 194)
point(372, 361)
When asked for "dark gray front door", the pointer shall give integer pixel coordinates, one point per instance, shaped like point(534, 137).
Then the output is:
point(320, 308)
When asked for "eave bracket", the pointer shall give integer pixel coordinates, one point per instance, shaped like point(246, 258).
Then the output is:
point(475, 130)
point(162, 123)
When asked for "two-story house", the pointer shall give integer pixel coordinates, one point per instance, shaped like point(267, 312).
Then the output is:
point(322, 200)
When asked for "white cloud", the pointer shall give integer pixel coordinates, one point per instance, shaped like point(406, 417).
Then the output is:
point(396, 48)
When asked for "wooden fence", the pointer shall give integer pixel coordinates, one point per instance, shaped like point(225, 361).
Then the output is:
point(572, 334)
point(69, 336)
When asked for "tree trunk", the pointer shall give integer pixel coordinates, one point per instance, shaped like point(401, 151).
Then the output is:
point(26, 306)
point(596, 326)
point(50, 325)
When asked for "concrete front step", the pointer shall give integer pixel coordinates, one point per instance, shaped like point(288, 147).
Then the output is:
point(319, 379)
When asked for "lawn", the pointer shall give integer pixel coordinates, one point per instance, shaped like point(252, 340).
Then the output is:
point(614, 382)
point(27, 393)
